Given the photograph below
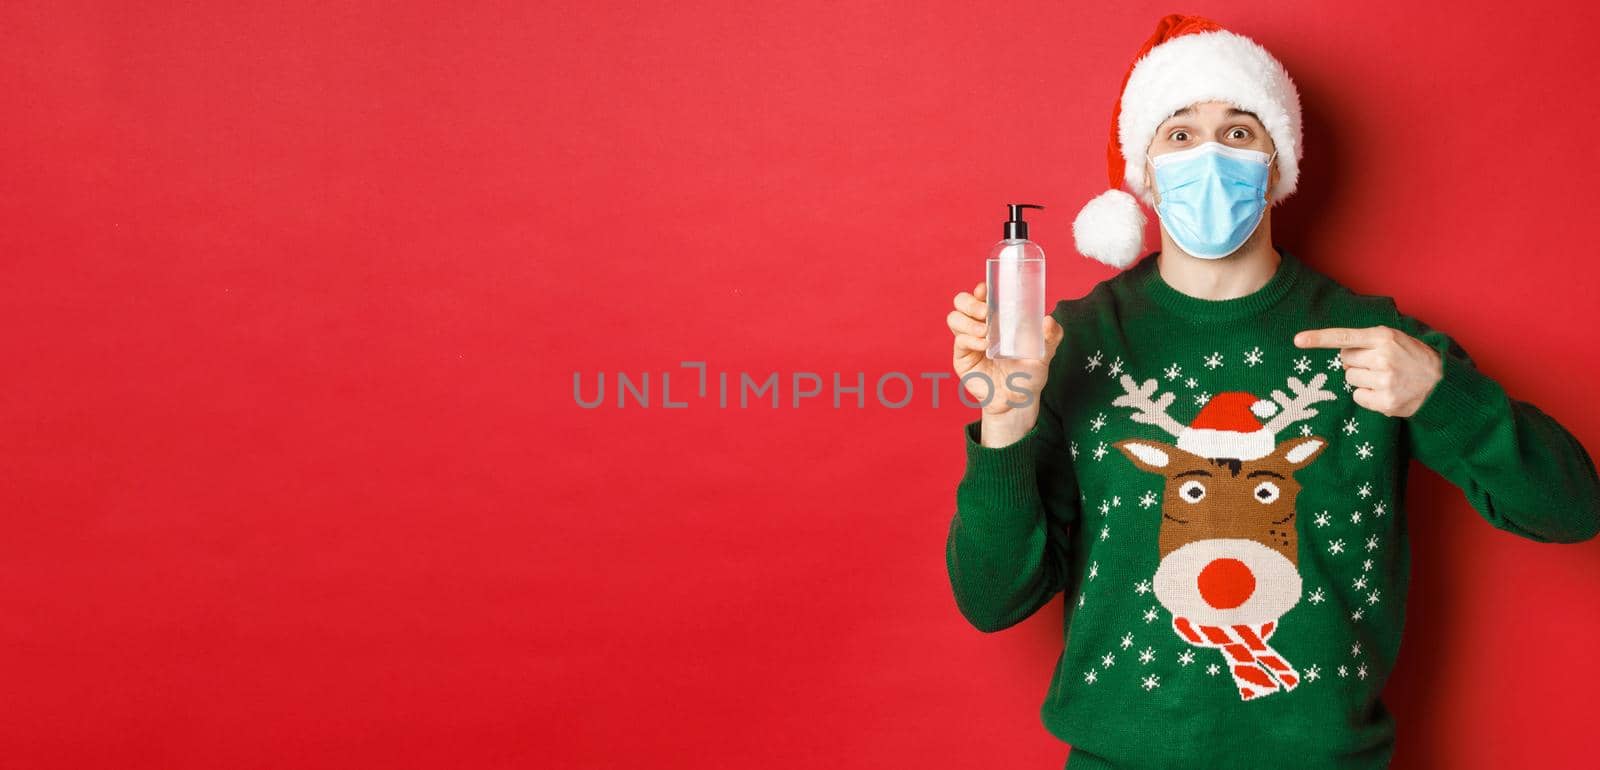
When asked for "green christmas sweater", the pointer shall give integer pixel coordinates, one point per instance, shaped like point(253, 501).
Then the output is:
point(1227, 524)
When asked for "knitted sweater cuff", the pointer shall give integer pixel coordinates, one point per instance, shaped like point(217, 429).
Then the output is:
point(1005, 475)
point(1458, 400)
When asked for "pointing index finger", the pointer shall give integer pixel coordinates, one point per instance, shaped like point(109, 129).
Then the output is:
point(1334, 337)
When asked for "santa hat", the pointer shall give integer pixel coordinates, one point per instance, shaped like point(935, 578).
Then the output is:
point(1189, 59)
point(1227, 426)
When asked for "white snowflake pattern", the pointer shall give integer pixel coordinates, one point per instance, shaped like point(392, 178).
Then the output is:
point(1108, 660)
point(1147, 499)
point(1360, 583)
point(1094, 570)
point(1105, 532)
point(1074, 448)
point(1142, 587)
point(1127, 641)
point(1366, 565)
point(1350, 427)
point(1316, 597)
point(1372, 598)
point(1364, 450)
point(1098, 422)
point(1150, 682)
point(1213, 669)
point(1335, 363)
point(1080, 600)
point(1378, 508)
point(1115, 368)
point(1253, 356)
point(1105, 507)
point(1150, 615)
point(1372, 543)
point(1201, 398)
point(1321, 519)
point(1186, 657)
point(1305, 429)
point(1092, 362)
point(1116, 500)
point(1313, 673)
point(1100, 451)
point(1355, 649)
point(1146, 655)
point(1191, 382)
point(1361, 671)
point(1355, 517)
point(1365, 490)
point(1335, 547)
point(1089, 677)
point(1357, 615)
point(1301, 365)
point(1344, 671)
point(1174, 371)
point(1214, 360)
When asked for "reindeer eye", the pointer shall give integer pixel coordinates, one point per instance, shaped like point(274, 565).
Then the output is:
point(1266, 492)
point(1192, 491)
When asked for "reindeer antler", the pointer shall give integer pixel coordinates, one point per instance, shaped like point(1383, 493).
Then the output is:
point(1151, 411)
point(1299, 407)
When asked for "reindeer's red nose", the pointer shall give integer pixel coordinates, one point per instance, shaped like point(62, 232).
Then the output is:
point(1226, 583)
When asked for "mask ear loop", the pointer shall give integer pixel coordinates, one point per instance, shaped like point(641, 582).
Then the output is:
point(1268, 194)
point(1155, 181)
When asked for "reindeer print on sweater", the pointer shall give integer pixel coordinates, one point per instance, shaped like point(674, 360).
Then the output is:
point(1223, 494)
point(1229, 546)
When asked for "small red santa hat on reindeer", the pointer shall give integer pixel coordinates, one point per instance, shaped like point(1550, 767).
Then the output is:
point(1228, 426)
point(1189, 59)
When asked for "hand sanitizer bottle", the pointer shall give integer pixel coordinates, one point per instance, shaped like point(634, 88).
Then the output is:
point(1016, 292)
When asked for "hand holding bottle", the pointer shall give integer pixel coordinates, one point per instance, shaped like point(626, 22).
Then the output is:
point(1002, 423)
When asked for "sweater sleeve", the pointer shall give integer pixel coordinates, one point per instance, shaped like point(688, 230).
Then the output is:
point(1008, 547)
point(1520, 469)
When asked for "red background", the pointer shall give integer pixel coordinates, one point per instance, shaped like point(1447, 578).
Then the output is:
point(292, 470)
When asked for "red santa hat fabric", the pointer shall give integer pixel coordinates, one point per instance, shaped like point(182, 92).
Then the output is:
point(1189, 59)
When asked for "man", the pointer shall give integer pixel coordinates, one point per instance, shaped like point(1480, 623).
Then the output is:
point(1213, 467)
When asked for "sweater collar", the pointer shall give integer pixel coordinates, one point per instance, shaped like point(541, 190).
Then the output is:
point(1195, 308)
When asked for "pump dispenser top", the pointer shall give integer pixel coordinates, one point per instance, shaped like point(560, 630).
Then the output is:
point(1015, 227)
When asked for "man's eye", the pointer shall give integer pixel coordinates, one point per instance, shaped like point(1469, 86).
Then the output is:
point(1179, 135)
point(1239, 133)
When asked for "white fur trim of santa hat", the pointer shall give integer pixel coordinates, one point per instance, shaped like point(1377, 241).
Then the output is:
point(1210, 442)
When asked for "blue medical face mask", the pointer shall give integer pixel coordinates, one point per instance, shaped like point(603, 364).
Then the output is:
point(1212, 196)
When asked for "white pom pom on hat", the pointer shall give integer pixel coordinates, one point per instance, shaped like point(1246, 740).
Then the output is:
point(1110, 228)
point(1189, 59)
